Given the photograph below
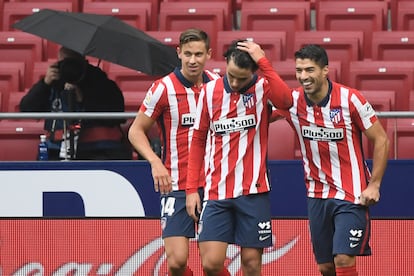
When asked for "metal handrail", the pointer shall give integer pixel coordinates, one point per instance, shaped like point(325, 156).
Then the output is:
point(128, 115)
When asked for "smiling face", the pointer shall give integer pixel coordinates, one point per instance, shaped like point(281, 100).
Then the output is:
point(312, 78)
point(194, 56)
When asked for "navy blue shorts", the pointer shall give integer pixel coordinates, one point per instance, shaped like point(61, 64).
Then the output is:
point(338, 227)
point(245, 221)
point(175, 220)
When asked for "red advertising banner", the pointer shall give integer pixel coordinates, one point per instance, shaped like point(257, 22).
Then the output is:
point(124, 247)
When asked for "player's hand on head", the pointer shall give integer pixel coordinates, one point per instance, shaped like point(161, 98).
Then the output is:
point(254, 49)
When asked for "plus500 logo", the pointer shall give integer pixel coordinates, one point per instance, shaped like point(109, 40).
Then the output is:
point(102, 193)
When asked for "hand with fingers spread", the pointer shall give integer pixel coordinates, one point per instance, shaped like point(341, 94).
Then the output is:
point(254, 49)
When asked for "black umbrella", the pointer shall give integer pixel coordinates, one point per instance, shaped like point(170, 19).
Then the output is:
point(104, 37)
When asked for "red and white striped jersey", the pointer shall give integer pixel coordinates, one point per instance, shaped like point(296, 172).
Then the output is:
point(172, 101)
point(330, 137)
point(237, 123)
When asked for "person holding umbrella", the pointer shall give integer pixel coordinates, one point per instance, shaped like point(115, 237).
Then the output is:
point(72, 84)
point(171, 103)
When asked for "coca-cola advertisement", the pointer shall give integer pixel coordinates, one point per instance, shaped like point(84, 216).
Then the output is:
point(132, 246)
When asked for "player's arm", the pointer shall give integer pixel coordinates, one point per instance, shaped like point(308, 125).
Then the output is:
point(280, 93)
point(196, 158)
point(377, 135)
point(139, 140)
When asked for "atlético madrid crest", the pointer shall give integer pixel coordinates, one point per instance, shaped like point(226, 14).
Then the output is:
point(248, 100)
point(335, 115)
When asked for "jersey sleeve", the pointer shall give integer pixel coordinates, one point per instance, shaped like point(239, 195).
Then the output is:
point(155, 100)
point(279, 93)
point(363, 113)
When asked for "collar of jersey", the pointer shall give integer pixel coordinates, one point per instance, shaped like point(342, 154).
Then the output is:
point(241, 91)
point(325, 100)
point(184, 81)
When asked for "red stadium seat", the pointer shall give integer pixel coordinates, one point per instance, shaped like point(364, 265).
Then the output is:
point(129, 79)
point(74, 3)
point(216, 66)
point(285, 16)
point(230, 14)
point(133, 100)
point(284, 149)
point(342, 46)
point(12, 75)
point(171, 38)
point(155, 8)
point(21, 47)
point(405, 16)
point(178, 16)
point(384, 75)
point(14, 101)
point(411, 106)
point(15, 11)
point(403, 131)
point(19, 139)
point(11, 79)
point(272, 42)
point(286, 70)
point(135, 14)
point(393, 45)
point(366, 16)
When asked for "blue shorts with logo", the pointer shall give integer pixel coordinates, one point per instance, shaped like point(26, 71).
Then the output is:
point(338, 227)
point(175, 220)
point(245, 221)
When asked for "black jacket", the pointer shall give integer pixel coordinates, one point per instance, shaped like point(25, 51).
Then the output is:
point(100, 94)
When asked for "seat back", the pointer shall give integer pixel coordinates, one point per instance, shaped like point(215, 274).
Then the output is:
point(366, 16)
point(17, 46)
point(395, 45)
point(397, 76)
point(136, 14)
point(129, 79)
point(272, 42)
point(19, 139)
point(281, 144)
point(179, 16)
point(15, 11)
point(284, 16)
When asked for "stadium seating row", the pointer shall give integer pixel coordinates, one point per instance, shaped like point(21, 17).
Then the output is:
point(343, 46)
point(393, 80)
point(222, 15)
